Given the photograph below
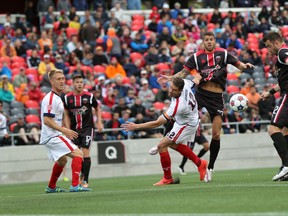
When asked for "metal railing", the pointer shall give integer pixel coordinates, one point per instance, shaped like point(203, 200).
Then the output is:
point(262, 122)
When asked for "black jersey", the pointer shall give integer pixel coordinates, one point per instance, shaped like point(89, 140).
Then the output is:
point(80, 109)
point(211, 66)
point(282, 69)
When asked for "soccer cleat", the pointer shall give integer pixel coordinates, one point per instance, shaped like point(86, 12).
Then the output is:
point(284, 178)
point(209, 175)
point(79, 188)
point(153, 150)
point(164, 181)
point(202, 169)
point(181, 170)
point(54, 190)
point(84, 184)
point(283, 172)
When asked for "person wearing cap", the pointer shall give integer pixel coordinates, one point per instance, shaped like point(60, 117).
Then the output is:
point(165, 10)
point(154, 14)
point(46, 65)
point(114, 69)
point(146, 94)
point(8, 50)
point(7, 30)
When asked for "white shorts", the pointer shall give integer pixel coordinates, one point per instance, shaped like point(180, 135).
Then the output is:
point(59, 146)
point(181, 134)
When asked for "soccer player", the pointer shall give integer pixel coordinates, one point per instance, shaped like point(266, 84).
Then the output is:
point(79, 106)
point(184, 110)
point(56, 138)
point(211, 64)
point(279, 121)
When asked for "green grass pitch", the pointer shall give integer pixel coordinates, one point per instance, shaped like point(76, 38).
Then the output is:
point(237, 192)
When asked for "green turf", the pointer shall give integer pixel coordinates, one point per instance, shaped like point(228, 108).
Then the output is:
point(245, 192)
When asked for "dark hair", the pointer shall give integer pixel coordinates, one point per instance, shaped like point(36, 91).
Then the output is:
point(178, 82)
point(272, 36)
point(208, 34)
point(76, 76)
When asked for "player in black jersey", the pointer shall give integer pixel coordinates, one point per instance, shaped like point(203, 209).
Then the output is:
point(211, 64)
point(279, 122)
point(79, 106)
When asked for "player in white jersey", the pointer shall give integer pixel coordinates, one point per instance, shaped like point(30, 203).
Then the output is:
point(184, 111)
point(56, 138)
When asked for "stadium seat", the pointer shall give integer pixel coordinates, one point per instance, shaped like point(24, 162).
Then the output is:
point(244, 76)
point(71, 31)
point(17, 59)
point(29, 52)
point(233, 82)
point(32, 104)
point(5, 59)
point(99, 69)
point(155, 90)
point(232, 76)
point(16, 104)
point(105, 108)
point(135, 55)
point(259, 80)
point(12, 126)
point(45, 89)
point(85, 69)
point(17, 111)
point(31, 71)
point(138, 17)
point(158, 105)
point(272, 80)
point(15, 71)
point(32, 111)
point(13, 119)
point(162, 66)
point(18, 65)
point(232, 89)
point(106, 116)
point(32, 119)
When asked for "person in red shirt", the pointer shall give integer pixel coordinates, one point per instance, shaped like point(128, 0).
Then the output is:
point(34, 92)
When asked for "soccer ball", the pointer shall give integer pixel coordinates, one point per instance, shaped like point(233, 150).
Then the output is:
point(238, 103)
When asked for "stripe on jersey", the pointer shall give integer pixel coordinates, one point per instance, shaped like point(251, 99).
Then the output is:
point(280, 108)
point(50, 101)
point(176, 107)
point(166, 116)
point(78, 116)
point(210, 59)
point(66, 143)
point(196, 63)
point(179, 133)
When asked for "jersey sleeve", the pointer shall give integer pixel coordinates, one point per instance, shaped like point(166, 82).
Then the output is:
point(191, 63)
point(172, 110)
point(283, 56)
point(65, 103)
point(49, 107)
point(94, 102)
point(231, 59)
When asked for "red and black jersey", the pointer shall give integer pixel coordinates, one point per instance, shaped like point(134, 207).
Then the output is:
point(80, 109)
point(211, 66)
point(282, 69)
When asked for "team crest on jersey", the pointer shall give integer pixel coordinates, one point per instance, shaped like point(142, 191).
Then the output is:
point(70, 101)
point(203, 61)
point(218, 59)
point(85, 100)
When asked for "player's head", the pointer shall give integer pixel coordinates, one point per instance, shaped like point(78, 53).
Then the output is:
point(273, 42)
point(57, 80)
point(78, 83)
point(176, 87)
point(209, 41)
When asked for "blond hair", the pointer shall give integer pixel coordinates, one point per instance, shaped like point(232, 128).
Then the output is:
point(53, 72)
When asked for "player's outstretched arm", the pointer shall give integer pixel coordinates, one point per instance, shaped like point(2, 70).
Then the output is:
point(164, 78)
point(129, 126)
point(242, 66)
point(99, 124)
point(272, 91)
point(197, 78)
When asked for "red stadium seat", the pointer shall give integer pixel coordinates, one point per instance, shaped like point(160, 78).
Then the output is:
point(32, 119)
point(232, 76)
point(106, 116)
point(5, 59)
point(15, 71)
point(155, 90)
point(33, 71)
point(86, 68)
point(18, 59)
point(71, 31)
point(29, 52)
point(99, 69)
point(32, 104)
point(162, 66)
point(232, 89)
point(125, 80)
point(138, 17)
point(12, 126)
point(158, 105)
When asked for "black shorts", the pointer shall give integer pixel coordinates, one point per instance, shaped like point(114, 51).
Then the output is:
point(85, 138)
point(199, 138)
point(213, 102)
point(280, 113)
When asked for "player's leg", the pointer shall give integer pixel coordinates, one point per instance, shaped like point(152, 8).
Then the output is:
point(184, 159)
point(56, 172)
point(201, 140)
point(285, 134)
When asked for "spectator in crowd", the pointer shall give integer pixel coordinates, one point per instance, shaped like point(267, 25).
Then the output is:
point(152, 26)
point(266, 106)
point(133, 68)
point(264, 13)
point(178, 35)
point(121, 106)
point(264, 26)
point(256, 59)
point(30, 13)
point(63, 5)
point(22, 129)
point(139, 44)
point(109, 100)
point(164, 57)
point(113, 124)
point(45, 41)
point(88, 33)
point(176, 11)
point(165, 35)
point(153, 79)
point(120, 87)
point(180, 61)
point(247, 86)
point(87, 55)
point(254, 126)
point(8, 49)
point(59, 64)
point(5, 70)
point(80, 5)
point(151, 115)
point(20, 78)
point(130, 98)
point(34, 92)
point(46, 65)
point(146, 94)
point(152, 57)
point(134, 5)
point(137, 108)
point(43, 5)
point(253, 98)
point(139, 134)
point(134, 84)
point(5, 94)
point(3, 124)
point(226, 127)
point(22, 94)
point(126, 118)
point(119, 12)
point(113, 43)
point(5, 81)
point(164, 23)
point(233, 40)
point(162, 93)
point(8, 30)
point(114, 68)
point(20, 49)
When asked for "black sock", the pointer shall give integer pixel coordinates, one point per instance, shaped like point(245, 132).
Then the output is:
point(286, 138)
point(86, 168)
point(201, 153)
point(214, 149)
point(184, 160)
point(281, 147)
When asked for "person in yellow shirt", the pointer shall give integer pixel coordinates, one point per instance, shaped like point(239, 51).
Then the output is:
point(75, 23)
point(4, 80)
point(114, 68)
point(8, 50)
point(45, 64)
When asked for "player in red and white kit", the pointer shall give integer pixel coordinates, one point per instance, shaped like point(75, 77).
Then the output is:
point(56, 138)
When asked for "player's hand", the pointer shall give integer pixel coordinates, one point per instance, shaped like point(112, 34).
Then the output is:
point(265, 95)
point(164, 79)
point(248, 65)
point(128, 126)
point(197, 78)
point(99, 126)
point(6, 135)
point(70, 134)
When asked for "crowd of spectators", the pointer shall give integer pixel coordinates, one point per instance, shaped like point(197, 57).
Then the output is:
point(120, 57)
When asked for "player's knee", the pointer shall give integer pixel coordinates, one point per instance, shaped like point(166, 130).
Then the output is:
point(62, 161)
point(77, 153)
point(216, 135)
point(273, 129)
point(162, 147)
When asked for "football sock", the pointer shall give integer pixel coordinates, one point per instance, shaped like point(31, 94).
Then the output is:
point(214, 149)
point(184, 160)
point(56, 172)
point(76, 167)
point(187, 152)
point(86, 164)
point(166, 164)
point(281, 147)
point(201, 153)
point(286, 138)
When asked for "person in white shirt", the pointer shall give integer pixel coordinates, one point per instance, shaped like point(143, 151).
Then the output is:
point(184, 111)
point(3, 126)
point(56, 138)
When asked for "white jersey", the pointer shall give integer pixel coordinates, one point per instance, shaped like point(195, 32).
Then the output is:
point(184, 109)
point(51, 106)
point(3, 125)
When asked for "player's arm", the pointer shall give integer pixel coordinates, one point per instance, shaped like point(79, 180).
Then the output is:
point(49, 121)
point(272, 91)
point(242, 66)
point(164, 78)
point(129, 126)
point(99, 124)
